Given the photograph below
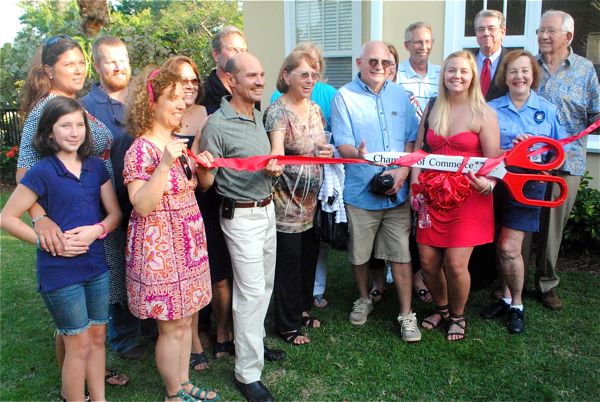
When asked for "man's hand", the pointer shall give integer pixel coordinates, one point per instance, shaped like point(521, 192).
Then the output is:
point(51, 237)
point(400, 174)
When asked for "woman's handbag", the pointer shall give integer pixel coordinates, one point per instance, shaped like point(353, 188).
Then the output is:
point(334, 234)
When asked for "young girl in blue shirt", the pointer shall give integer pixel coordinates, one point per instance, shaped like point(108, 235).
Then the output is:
point(76, 192)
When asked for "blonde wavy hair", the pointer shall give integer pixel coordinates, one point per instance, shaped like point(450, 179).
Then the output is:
point(440, 119)
point(139, 109)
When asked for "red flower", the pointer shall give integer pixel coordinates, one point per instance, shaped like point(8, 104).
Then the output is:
point(443, 190)
point(10, 154)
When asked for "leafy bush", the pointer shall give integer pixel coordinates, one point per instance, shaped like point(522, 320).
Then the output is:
point(582, 232)
point(8, 161)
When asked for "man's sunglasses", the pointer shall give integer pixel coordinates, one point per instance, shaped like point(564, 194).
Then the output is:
point(384, 63)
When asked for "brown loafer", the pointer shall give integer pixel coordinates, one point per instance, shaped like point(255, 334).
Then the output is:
point(551, 300)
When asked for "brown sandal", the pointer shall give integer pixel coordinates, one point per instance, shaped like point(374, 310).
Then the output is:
point(442, 312)
point(111, 377)
point(456, 320)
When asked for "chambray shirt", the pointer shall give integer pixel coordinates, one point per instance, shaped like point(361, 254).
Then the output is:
point(422, 88)
point(322, 95)
point(70, 202)
point(537, 117)
point(386, 121)
point(575, 92)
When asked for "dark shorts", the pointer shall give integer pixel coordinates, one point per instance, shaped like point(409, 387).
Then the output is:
point(218, 255)
point(517, 216)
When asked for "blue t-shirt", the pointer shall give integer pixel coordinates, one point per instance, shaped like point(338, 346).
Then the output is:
point(70, 202)
point(538, 117)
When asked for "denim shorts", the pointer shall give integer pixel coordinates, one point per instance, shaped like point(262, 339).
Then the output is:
point(517, 216)
point(75, 307)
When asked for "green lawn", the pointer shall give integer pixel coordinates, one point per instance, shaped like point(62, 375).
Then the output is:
point(558, 358)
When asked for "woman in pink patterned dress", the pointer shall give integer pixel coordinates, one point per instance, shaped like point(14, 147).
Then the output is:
point(167, 263)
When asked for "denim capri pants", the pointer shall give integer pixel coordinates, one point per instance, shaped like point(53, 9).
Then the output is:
point(75, 307)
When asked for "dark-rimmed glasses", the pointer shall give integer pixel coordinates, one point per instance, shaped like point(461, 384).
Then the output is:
point(186, 167)
point(384, 63)
point(55, 39)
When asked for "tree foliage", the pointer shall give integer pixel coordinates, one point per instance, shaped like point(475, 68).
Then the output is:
point(152, 30)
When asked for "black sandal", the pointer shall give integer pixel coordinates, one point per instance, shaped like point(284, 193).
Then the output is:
point(460, 322)
point(376, 295)
point(309, 321)
point(226, 347)
point(114, 376)
point(290, 337)
point(198, 358)
point(442, 312)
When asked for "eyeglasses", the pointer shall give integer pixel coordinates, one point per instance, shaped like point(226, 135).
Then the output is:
point(384, 63)
point(549, 31)
point(55, 39)
point(421, 42)
point(193, 81)
point(186, 167)
point(490, 28)
point(235, 49)
point(304, 75)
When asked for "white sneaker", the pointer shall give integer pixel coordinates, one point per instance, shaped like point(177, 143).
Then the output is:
point(360, 311)
point(409, 329)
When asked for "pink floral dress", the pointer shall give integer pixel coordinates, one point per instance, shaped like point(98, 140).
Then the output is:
point(167, 268)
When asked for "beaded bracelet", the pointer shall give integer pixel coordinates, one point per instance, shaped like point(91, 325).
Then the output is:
point(39, 218)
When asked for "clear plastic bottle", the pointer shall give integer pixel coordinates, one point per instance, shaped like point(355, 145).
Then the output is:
point(424, 217)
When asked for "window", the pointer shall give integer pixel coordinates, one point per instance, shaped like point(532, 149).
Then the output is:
point(522, 19)
point(333, 25)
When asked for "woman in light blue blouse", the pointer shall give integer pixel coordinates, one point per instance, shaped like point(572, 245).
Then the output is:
point(521, 114)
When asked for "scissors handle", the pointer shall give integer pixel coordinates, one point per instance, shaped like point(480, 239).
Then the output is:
point(515, 183)
point(519, 155)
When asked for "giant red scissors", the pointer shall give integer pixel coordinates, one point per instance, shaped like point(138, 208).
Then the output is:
point(518, 157)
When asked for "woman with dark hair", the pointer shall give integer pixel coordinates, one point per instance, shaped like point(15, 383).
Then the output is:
point(460, 124)
point(74, 287)
point(522, 114)
point(59, 68)
point(295, 126)
point(168, 278)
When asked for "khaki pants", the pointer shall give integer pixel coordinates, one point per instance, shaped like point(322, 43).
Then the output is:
point(552, 225)
point(252, 243)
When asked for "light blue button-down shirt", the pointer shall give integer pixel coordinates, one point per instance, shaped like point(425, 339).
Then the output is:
point(494, 61)
point(575, 92)
point(537, 117)
point(386, 121)
point(421, 87)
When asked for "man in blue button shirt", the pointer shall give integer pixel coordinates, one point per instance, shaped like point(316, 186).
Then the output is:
point(372, 114)
point(105, 102)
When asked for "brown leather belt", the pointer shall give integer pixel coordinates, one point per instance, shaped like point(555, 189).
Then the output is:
point(253, 204)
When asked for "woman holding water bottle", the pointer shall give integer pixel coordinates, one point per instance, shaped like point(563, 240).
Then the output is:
point(521, 114)
point(295, 126)
point(455, 209)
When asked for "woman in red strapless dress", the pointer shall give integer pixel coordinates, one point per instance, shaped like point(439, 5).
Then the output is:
point(460, 206)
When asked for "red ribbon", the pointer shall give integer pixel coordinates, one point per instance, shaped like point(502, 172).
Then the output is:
point(255, 163)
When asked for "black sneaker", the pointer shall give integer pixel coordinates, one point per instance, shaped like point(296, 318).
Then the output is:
point(497, 309)
point(515, 323)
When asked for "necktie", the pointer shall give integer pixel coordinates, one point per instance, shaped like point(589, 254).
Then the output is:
point(485, 76)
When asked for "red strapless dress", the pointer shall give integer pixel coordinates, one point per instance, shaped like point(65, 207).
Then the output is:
point(471, 223)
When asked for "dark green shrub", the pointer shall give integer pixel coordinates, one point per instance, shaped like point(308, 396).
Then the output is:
point(582, 232)
point(8, 162)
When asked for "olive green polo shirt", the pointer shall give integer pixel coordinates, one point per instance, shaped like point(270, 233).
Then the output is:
point(228, 134)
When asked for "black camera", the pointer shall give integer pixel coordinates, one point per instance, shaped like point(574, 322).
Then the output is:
point(380, 183)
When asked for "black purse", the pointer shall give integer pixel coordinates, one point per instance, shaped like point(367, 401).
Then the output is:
point(327, 231)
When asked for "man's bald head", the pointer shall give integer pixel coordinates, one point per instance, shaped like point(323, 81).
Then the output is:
point(245, 77)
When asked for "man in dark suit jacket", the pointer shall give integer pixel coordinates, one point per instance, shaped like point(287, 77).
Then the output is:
point(490, 28)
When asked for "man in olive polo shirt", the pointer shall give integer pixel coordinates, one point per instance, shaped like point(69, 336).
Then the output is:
point(247, 214)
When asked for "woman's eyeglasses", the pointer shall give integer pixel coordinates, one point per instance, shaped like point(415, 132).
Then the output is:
point(384, 63)
point(186, 167)
point(305, 75)
point(55, 39)
point(194, 81)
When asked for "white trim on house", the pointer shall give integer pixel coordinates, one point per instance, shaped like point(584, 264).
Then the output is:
point(376, 20)
point(454, 26)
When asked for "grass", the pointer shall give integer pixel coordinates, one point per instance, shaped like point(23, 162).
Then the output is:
point(558, 357)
